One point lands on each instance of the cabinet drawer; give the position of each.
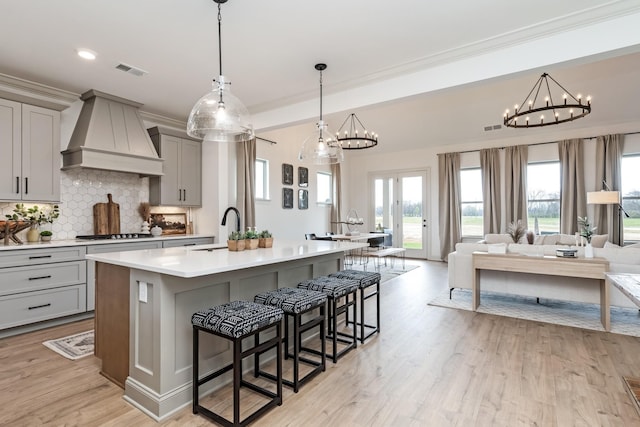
(122, 247)
(20, 257)
(24, 279)
(187, 242)
(21, 309)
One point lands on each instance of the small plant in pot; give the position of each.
(45, 235)
(265, 240)
(251, 239)
(236, 241)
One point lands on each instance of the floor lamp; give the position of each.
(608, 198)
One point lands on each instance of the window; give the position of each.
(262, 179)
(325, 189)
(471, 206)
(630, 175)
(543, 194)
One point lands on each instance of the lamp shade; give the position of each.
(220, 116)
(320, 147)
(603, 197)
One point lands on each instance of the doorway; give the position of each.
(399, 207)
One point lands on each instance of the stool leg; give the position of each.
(296, 351)
(323, 343)
(362, 291)
(237, 378)
(256, 357)
(279, 363)
(194, 405)
(334, 323)
(285, 339)
(378, 306)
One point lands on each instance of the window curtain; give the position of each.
(246, 162)
(337, 197)
(573, 197)
(449, 209)
(515, 177)
(608, 168)
(490, 169)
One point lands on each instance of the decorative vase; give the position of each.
(33, 235)
(144, 229)
(235, 245)
(588, 251)
(265, 242)
(156, 231)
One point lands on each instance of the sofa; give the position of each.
(621, 260)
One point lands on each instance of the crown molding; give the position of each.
(28, 92)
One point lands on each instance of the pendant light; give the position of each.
(220, 116)
(321, 148)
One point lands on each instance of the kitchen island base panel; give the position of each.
(160, 340)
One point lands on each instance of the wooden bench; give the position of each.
(388, 252)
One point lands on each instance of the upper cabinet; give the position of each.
(30, 147)
(181, 184)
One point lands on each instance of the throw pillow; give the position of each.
(598, 240)
(608, 245)
(491, 239)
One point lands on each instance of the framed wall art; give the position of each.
(303, 199)
(171, 223)
(287, 198)
(303, 177)
(287, 174)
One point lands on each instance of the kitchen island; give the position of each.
(145, 299)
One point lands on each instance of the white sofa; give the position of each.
(621, 260)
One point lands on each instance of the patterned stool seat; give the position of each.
(366, 278)
(331, 286)
(237, 318)
(292, 300)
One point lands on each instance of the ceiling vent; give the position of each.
(492, 127)
(131, 69)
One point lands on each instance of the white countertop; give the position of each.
(78, 242)
(194, 261)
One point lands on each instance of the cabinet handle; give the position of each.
(17, 185)
(179, 194)
(40, 306)
(41, 277)
(189, 244)
(39, 256)
(184, 195)
(26, 186)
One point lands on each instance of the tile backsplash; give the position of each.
(81, 189)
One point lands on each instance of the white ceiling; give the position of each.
(416, 72)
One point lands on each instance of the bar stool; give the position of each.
(365, 280)
(335, 289)
(235, 321)
(295, 302)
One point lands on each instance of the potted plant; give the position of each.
(35, 216)
(586, 231)
(236, 241)
(251, 239)
(45, 235)
(265, 240)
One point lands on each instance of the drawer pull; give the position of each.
(189, 244)
(40, 306)
(39, 256)
(41, 277)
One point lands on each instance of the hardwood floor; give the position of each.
(430, 366)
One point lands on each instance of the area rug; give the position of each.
(633, 388)
(387, 272)
(625, 321)
(73, 347)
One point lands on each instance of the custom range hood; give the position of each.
(110, 135)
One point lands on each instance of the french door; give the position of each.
(399, 206)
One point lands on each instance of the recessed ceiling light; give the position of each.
(87, 54)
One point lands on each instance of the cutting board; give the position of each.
(106, 217)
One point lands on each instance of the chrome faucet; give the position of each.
(224, 217)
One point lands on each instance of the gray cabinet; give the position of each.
(181, 184)
(41, 284)
(30, 146)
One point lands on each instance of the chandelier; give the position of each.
(355, 136)
(538, 108)
(320, 148)
(220, 116)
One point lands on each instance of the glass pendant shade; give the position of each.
(321, 148)
(220, 116)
